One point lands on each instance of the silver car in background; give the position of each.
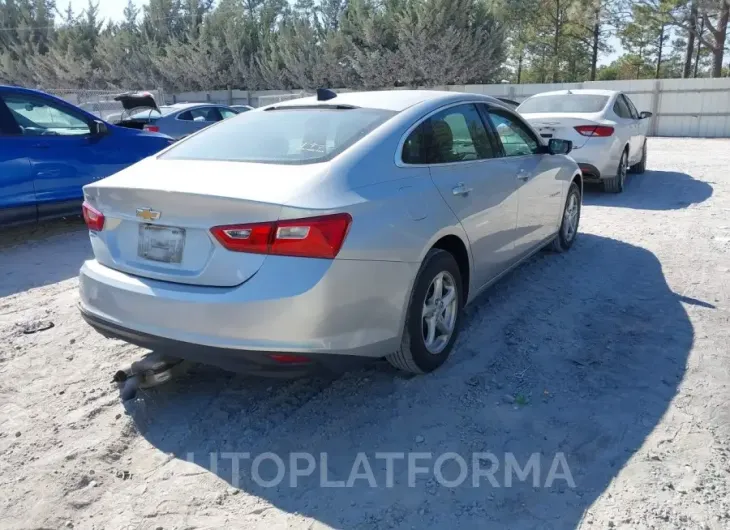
(608, 133)
(324, 229)
(180, 119)
(177, 120)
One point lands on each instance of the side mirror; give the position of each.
(98, 128)
(559, 147)
(645, 115)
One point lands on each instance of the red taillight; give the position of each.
(594, 130)
(94, 218)
(151, 128)
(285, 358)
(313, 237)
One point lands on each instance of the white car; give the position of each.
(608, 133)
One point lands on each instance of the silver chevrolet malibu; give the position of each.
(320, 230)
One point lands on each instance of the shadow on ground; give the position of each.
(652, 190)
(554, 359)
(41, 254)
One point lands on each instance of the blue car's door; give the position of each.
(64, 154)
(17, 196)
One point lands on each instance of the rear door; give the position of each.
(478, 187)
(640, 129)
(536, 174)
(17, 196)
(627, 127)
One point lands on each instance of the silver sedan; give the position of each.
(317, 231)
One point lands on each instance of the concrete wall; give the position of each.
(681, 107)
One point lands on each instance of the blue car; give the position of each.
(49, 149)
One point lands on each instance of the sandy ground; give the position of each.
(615, 355)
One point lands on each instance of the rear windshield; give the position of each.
(563, 103)
(281, 136)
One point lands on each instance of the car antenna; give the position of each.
(325, 94)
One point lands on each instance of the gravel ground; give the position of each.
(614, 355)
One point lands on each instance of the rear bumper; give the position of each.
(307, 306)
(598, 158)
(242, 361)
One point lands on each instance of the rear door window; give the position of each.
(456, 134)
(202, 114)
(621, 108)
(630, 105)
(226, 113)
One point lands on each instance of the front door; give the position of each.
(474, 183)
(537, 176)
(627, 128)
(62, 152)
(17, 196)
(639, 131)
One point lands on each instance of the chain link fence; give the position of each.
(100, 102)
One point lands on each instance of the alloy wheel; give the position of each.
(570, 218)
(439, 312)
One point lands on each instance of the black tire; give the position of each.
(640, 167)
(565, 238)
(616, 184)
(413, 356)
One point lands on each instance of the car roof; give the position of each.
(588, 91)
(394, 100)
(182, 106)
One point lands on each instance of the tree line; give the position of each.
(279, 44)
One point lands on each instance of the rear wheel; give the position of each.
(432, 318)
(616, 184)
(641, 166)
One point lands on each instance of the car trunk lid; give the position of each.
(158, 216)
(562, 125)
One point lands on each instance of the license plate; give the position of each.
(161, 243)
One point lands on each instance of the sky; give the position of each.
(114, 10)
(108, 9)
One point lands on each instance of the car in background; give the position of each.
(50, 149)
(509, 102)
(608, 133)
(241, 108)
(177, 120)
(324, 229)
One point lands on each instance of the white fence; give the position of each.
(681, 107)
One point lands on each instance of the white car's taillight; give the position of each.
(594, 130)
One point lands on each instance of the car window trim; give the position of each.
(62, 105)
(399, 150)
(502, 110)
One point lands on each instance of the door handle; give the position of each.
(41, 146)
(461, 189)
(524, 176)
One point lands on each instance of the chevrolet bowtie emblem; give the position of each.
(147, 214)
